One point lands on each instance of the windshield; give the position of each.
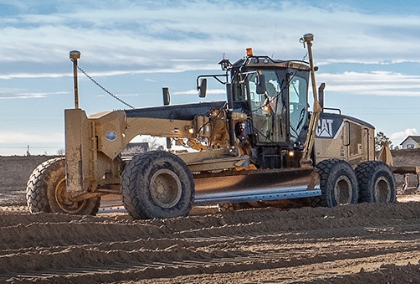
(268, 109)
(270, 112)
(298, 106)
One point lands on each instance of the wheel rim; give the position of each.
(382, 190)
(343, 190)
(63, 200)
(165, 188)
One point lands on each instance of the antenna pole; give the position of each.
(74, 55)
(313, 122)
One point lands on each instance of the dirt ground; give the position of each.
(364, 243)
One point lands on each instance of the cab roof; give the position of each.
(265, 61)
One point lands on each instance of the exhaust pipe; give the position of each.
(321, 95)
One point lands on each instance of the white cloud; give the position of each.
(109, 73)
(26, 138)
(372, 83)
(32, 75)
(195, 92)
(155, 35)
(403, 134)
(15, 93)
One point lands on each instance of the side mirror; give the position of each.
(203, 88)
(261, 84)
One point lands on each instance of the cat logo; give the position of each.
(328, 128)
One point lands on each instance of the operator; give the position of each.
(270, 102)
(269, 108)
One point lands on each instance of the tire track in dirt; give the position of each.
(338, 257)
(302, 245)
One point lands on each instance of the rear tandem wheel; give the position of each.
(338, 184)
(46, 191)
(376, 182)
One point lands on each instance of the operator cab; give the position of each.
(276, 94)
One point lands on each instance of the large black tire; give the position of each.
(338, 184)
(157, 184)
(46, 191)
(376, 182)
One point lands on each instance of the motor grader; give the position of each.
(261, 145)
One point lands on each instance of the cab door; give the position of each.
(268, 110)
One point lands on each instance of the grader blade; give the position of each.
(262, 185)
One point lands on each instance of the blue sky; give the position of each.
(367, 53)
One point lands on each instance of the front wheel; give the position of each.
(46, 191)
(338, 183)
(157, 184)
(376, 182)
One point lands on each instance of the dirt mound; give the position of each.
(364, 243)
